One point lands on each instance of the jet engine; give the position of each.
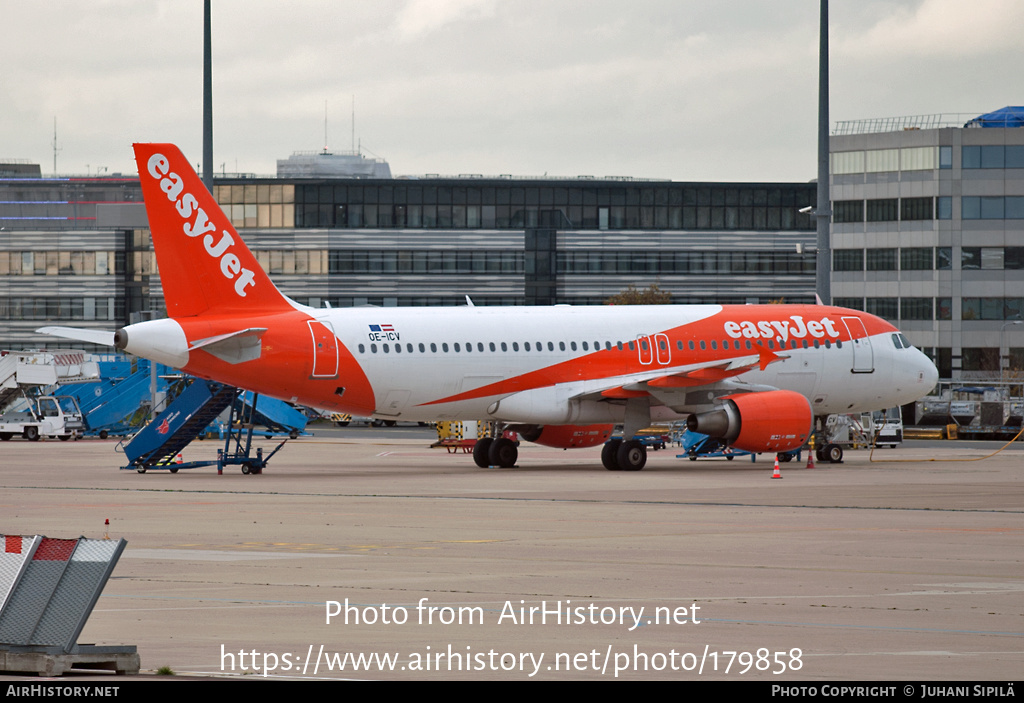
(769, 421)
(565, 436)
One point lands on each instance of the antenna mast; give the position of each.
(54, 145)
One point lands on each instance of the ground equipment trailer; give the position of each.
(45, 416)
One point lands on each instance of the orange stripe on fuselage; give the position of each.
(733, 324)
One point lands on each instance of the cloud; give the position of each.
(421, 17)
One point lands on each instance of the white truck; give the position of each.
(49, 416)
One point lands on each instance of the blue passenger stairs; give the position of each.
(119, 403)
(159, 443)
(277, 416)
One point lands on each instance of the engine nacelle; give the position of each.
(565, 436)
(770, 421)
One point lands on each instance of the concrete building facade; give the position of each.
(928, 232)
(76, 251)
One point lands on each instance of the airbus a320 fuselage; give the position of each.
(754, 376)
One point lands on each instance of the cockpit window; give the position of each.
(896, 341)
(906, 342)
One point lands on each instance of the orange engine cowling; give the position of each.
(566, 436)
(771, 421)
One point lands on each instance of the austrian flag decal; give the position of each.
(383, 333)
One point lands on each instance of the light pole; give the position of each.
(1002, 339)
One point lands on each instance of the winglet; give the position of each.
(204, 264)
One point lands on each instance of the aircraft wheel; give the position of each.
(481, 452)
(632, 455)
(784, 458)
(834, 453)
(32, 434)
(503, 453)
(819, 454)
(609, 452)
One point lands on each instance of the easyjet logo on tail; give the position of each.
(794, 327)
(197, 224)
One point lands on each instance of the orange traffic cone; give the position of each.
(810, 459)
(776, 473)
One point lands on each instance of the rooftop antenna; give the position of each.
(353, 122)
(54, 145)
(325, 126)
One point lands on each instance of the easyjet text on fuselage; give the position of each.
(794, 327)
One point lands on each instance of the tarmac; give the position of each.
(373, 556)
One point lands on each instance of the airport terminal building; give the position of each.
(928, 232)
(76, 251)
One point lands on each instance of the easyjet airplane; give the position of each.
(754, 376)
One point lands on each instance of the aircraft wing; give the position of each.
(687, 388)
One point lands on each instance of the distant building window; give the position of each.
(944, 258)
(848, 211)
(916, 309)
(916, 209)
(881, 260)
(848, 260)
(920, 158)
(982, 208)
(945, 157)
(944, 309)
(851, 303)
(916, 259)
(970, 258)
(944, 208)
(982, 309)
(878, 160)
(979, 359)
(1013, 258)
(884, 210)
(883, 307)
(844, 162)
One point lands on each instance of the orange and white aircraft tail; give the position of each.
(204, 265)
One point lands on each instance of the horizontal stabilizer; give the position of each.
(234, 347)
(103, 337)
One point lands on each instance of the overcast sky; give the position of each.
(678, 89)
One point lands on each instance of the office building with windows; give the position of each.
(76, 251)
(928, 232)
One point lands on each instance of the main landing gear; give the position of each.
(501, 452)
(619, 455)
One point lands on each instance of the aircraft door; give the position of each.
(325, 350)
(653, 348)
(863, 354)
(662, 348)
(643, 345)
